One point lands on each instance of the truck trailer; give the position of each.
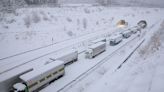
(98, 40)
(126, 34)
(67, 56)
(135, 29)
(39, 77)
(115, 39)
(95, 49)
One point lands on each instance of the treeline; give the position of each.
(31, 2)
(28, 2)
(104, 2)
(11, 5)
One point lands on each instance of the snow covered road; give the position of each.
(9, 64)
(73, 76)
(58, 27)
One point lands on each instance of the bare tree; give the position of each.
(29, 2)
(11, 5)
(104, 2)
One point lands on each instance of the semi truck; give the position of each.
(98, 40)
(39, 77)
(126, 33)
(95, 49)
(135, 29)
(115, 39)
(67, 56)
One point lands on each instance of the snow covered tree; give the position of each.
(29, 2)
(11, 5)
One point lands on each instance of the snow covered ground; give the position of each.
(30, 28)
(143, 72)
(32, 35)
(83, 65)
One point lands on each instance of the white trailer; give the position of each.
(39, 77)
(98, 40)
(126, 34)
(95, 49)
(115, 39)
(67, 56)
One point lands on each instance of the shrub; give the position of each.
(147, 12)
(97, 22)
(70, 33)
(84, 23)
(27, 21)
(78, 22)
(17, 37)
(45, 17)
(69, 20)
(86, 10)
(11, 21)
(152, 46)
(6, 27)
(102, 71)
(35, 17)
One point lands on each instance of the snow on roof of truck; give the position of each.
(126, 31)
(115, 36)
(134, 28)
(98, 40)
(96, 45)
(39, 71)
(63, 53)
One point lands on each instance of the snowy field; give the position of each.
(30, 36)
(30, 29)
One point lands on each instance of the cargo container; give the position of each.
(67, 56)
(126, 34)
(115, 39)
(98, 40)
(95, 49)
(135, 29)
